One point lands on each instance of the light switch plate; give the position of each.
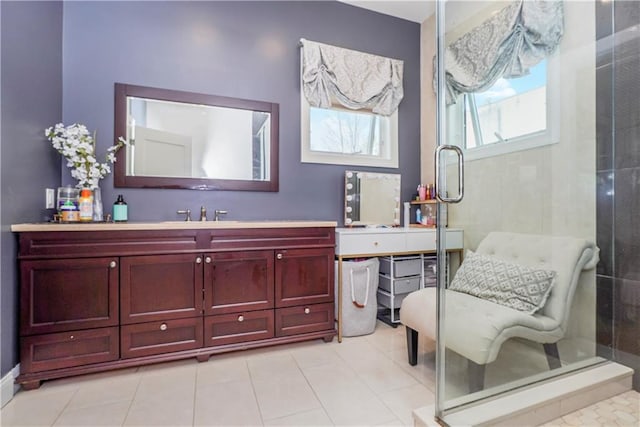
(50, 198)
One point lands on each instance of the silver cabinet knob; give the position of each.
(71, 337)
(307, 310)
(241, 318)
(112, 264)
(208, 260)
(279, 256)
(163, 327)
(199, 260)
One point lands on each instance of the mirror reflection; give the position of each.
(371, 198)
(196, 141)
(189, 140)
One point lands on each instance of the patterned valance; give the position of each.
(507, 45)
(355, 79)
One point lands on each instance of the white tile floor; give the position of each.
(363, 381)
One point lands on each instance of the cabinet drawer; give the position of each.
(389, 300)
(68, 294)
(67, 349)
(401, 266)
(399, 286)
(238, 327)
(302, 319)
(145, 339)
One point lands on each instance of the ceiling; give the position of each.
(411, 10)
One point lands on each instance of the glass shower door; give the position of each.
(516, 101)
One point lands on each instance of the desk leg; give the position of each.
(339, 299)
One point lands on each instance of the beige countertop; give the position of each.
(167, 225)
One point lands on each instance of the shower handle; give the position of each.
(443, 197)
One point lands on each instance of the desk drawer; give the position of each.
(363, 244)
(423, 240)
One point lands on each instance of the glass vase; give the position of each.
(97, 205)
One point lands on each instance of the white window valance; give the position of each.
(506, 45)
(355, 79)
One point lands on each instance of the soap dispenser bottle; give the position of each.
(120, 210)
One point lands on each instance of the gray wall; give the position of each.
(239, 49)
(31, 85)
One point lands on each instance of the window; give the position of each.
(349, 106)
(348, 137)
(514, 114)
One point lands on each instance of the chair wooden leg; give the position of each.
(553, 357)
(412, 346)
(476, 376)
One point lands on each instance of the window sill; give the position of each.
(500, 148)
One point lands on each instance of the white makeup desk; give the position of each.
(372, 242)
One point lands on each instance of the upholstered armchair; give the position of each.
(476, 327)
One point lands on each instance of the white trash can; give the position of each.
(359, 298)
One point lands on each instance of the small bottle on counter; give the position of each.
(69, 212)
(430, 219)
(407, 214)
(120, 213)
(85, 205)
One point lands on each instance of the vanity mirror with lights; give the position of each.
(195, 141)
(371, 198)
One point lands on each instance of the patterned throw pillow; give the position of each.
(512, 285)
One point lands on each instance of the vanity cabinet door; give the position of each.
(304, 276)
(160, 287)
(68, 294)
(238, 281)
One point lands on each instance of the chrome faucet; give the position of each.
(203, 213)
(186, 212)
(217, 214)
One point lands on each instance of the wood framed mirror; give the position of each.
(195, 141)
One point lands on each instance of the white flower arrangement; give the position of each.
(77, 145)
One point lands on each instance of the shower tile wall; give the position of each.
(618, 176)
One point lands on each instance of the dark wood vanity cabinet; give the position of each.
(131, 300)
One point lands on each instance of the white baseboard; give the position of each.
(8, 387)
